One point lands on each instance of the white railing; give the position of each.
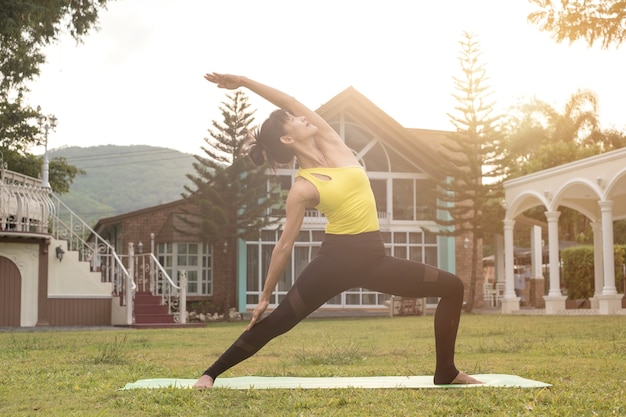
(28, 208)
(24, 204)
(314, 217)
(150, 276)
(124, 271)
(91, 247)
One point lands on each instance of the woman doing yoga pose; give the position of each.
(352, 254)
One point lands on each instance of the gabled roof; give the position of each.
(419, 145)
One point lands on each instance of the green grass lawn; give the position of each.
(80, 372)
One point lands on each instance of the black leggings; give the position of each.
(353, 261)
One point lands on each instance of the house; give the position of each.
(56, 271)
(145, 253)
(402, 165)
(42, 282)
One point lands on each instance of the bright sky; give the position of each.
(138, 80)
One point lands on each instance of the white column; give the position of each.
(183, 297)
(499, 258)
(608, 257)
(510, 302)
(555, 302)
(129, 285)
(536, 256)
(596, 226)
(609, 301)
(553, 248)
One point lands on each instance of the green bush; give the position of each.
(578, 270)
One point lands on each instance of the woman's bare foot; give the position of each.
(205, 382)
(463, 378)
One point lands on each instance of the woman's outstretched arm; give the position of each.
(276, 97)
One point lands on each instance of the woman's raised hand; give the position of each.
(227, 81)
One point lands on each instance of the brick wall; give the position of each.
(464, 269)
(138, 228)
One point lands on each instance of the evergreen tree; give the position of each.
(473, 192)
(231, 197)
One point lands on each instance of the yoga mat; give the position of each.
(377, 382)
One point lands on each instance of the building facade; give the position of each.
(52, 273)
(403, 166)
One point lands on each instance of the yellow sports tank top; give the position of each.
(346, 199)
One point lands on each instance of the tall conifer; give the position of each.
(472, 193)
(231, 197)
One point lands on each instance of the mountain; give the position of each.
(120, 179)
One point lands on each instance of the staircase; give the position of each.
(143, 309)
(92, 267)
(151, 314)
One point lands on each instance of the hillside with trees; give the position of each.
(119, 179)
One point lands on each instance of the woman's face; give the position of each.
(299, 128)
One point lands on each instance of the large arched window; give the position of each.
(405, 204)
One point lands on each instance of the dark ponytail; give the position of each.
(255, 151)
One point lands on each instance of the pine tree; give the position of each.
(230, 196)
(472, 194)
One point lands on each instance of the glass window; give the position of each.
(430, 256)
(318, 235)
(371, 151)
(300, 259)
(407, 245)
(376, 158)
(268, 235)
(418, 247)
(353, 299)
(403, 201)
(284, 184)
(416, 253)
(252, 278)
(369, 298)
(425, 194)
(399, 252)
(303, 236)
(399, 237)
(192, 282)
(399, 163)
(379, 187)
(356, 138)
(415, 237)
(430, 237)
(266, 255)
(194, 258)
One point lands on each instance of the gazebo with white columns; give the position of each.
(595, 187)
